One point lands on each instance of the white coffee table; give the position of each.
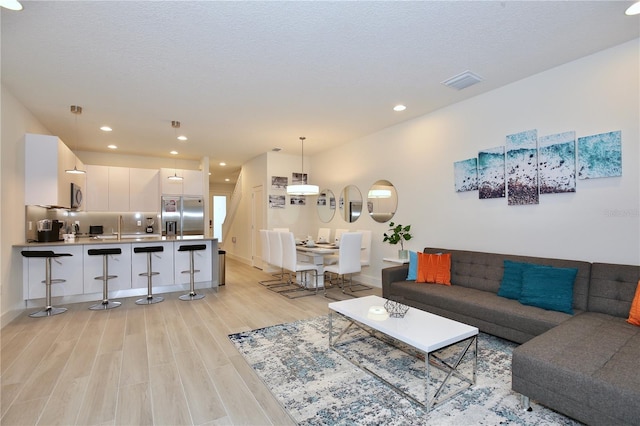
(426, 333)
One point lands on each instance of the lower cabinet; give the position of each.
(80, 269)
(119, 264)
(68, 268)
(161, 262)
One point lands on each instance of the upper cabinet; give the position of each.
(121, 189)
(191, 183)
(46, 182)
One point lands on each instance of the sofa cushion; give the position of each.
(548, 288)
(590, 359)
(612, 288)
(511, 284)
(413, 266)
(482, 305)
(434, 268)
(634, 313)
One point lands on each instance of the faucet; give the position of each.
(119, 232)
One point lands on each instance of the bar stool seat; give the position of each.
(47, 255)
(149, 250)
(192, 295)
(105, 277)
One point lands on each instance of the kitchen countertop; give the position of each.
(131, 238)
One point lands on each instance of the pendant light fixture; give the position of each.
(11, 4)
(304, 188)
(76, 110)
(175, 177)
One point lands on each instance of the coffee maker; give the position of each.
(48, 230)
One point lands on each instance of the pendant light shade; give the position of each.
(304, 188)
(76, 110)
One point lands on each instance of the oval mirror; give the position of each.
(326, 205)
(382, 201)
(350, 203)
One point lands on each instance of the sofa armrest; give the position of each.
(392, 274)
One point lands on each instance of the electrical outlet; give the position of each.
(139, 223)
(233, 240)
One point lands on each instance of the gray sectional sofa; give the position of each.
(585, 365)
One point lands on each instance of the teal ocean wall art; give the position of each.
(600, 155)
(491, 181)
(466, 175)
(522, 168)
(557, 163)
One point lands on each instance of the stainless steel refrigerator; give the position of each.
(182, 215)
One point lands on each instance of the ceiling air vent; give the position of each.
(463, 80)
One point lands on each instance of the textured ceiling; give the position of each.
(244, 77)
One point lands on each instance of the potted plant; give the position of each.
(398, 234)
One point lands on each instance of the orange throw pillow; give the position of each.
(634, 313)
(434, 268)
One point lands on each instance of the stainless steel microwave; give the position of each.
(76, 196)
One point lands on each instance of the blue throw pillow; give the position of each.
(413, 266)
(549, 288)
(511, 284)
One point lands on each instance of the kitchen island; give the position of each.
(80, 269)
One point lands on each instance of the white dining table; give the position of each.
(317, 253)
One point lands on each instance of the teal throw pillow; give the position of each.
(413, 266)
(549, 288)
(511, 284)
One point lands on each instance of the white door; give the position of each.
(257, 223)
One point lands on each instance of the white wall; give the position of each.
(16, 121)
(600, 222)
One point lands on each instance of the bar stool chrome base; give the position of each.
(48, 312)
(149, 300)
(104, 305)
(191, 296)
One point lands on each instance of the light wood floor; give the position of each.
(170, 363)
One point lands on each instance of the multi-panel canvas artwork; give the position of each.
(557, 163)
(491, 173)
(522, 168)
(600, 155)
(466, 175)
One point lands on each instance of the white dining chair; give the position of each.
(291, 264)
(324, 234)
(281, 229)
(275, 255)
(333, 259)
(338, 234)
(348, 259)
(266, 259)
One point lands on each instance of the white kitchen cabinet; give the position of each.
(202, 260)
(97, 192)
(191, 183)
(161, 262)
(119, 264)
(118, 189)
(67, 268)
(46, 182)
(144, 190)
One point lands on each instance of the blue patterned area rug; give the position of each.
(317, 386)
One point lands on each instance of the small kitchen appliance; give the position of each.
(48, 230)
(172, 225)
(150, 222)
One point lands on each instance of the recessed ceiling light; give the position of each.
(182, 138)
(399, 108)
(112, 147)
(106, 128)
(209, 173)
(174, 153)
(11, 4)
(223, 164)
(634, 9)
(226, 179)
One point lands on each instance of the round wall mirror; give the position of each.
(326, 205)
(350, 203)
(382, 201)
